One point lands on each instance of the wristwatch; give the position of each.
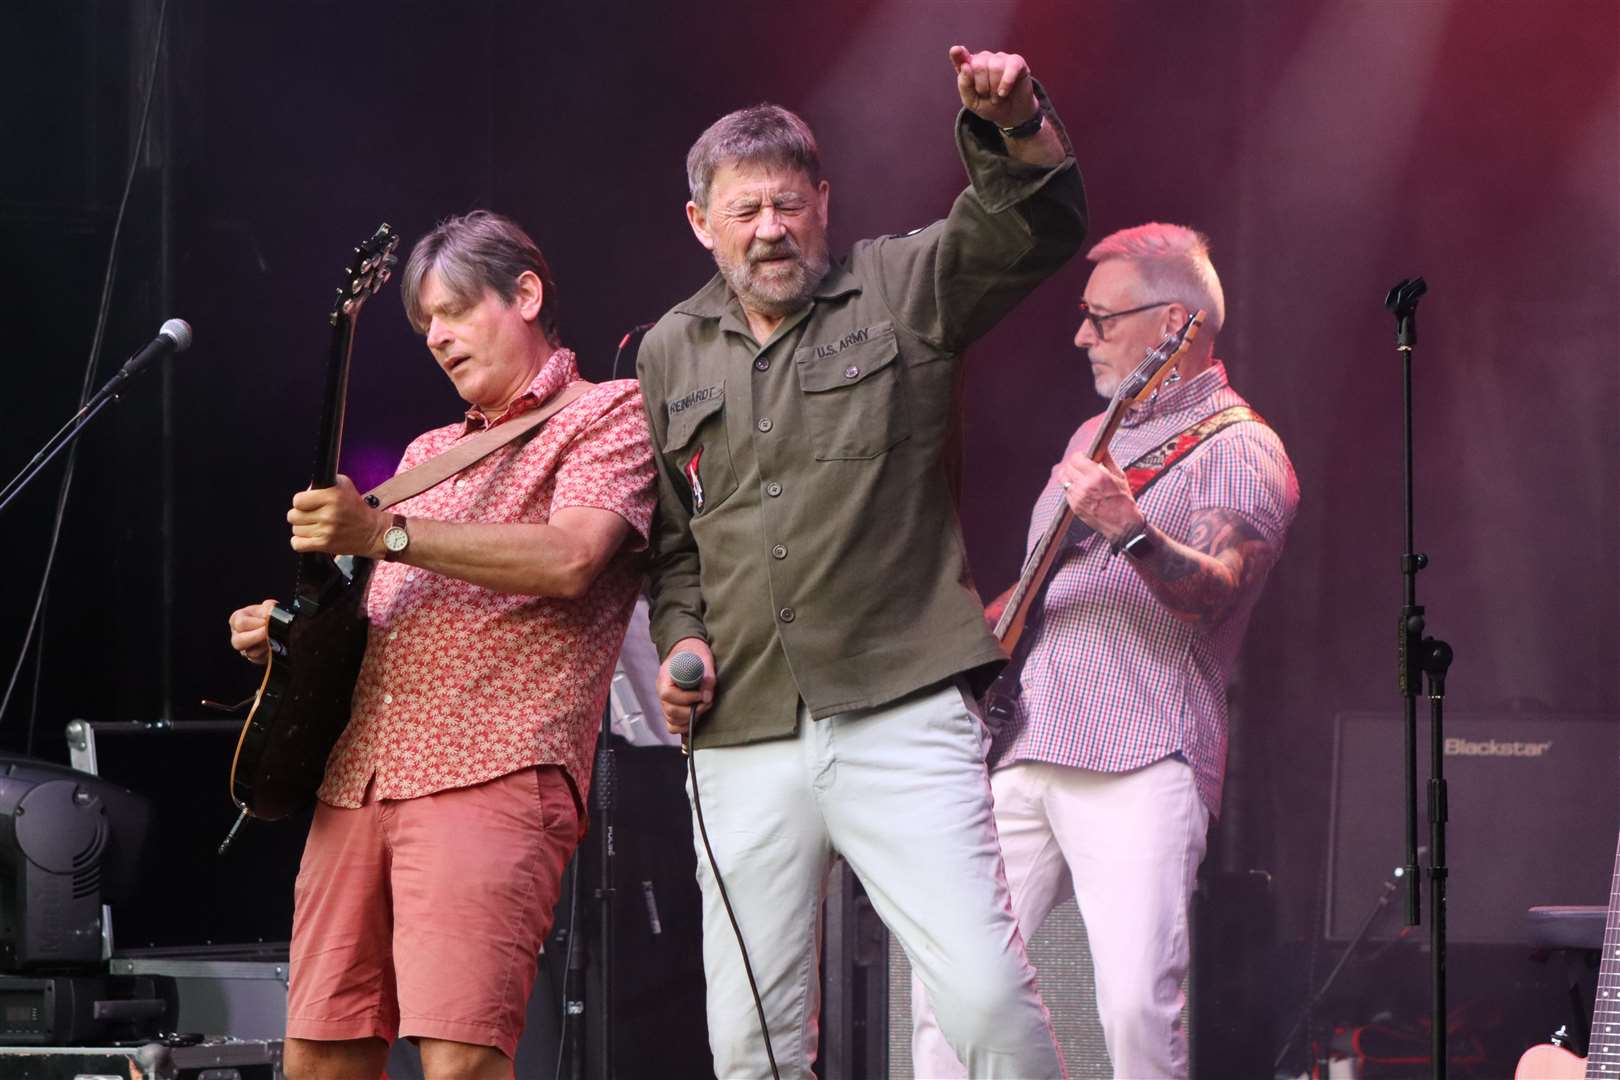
(395, 539)
(1141, 545)
(1026, 129)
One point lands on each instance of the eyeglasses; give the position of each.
(1097, 321)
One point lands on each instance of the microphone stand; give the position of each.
(1421, 658)
(605, 787)
(69, 432)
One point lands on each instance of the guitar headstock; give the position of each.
(1157, 365)
(369, 269)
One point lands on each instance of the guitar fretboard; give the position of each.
(1603, 1057)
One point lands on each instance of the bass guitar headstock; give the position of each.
(1157, 365)
(368, 270)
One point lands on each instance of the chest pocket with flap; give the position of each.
(853, 395)
(697, 430)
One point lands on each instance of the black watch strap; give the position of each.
(1028, 128)
(1140, 545)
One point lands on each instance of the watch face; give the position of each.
(396, 538)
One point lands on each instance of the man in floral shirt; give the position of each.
(454, 798)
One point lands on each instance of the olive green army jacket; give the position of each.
(806, 523)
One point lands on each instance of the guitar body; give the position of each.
(1549, 1062)
(303, 703)
(1000, 701)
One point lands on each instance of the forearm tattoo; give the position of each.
(1199, 579)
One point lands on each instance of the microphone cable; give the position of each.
(639, 328)
(690, 678)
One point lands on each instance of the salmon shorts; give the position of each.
(424, 917)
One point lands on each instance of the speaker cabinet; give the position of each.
(1534, 805)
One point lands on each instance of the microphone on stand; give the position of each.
(174, 336)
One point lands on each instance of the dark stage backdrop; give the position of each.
(1328, 150)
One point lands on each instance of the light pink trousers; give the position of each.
(1128, 846)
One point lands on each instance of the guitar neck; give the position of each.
(316, 573)
(1603, 1057)
(330, 446)
(1015, 616)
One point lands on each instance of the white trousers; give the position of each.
(902, 793)
(1128, 846)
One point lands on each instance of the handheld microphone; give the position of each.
(686, 670)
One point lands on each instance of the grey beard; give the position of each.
(778, 299)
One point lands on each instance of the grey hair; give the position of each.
(761, 134)
(471, 253)
(1174, 263)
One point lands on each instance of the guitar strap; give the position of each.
(1142, 472)
(472, 449)
(1145, 471)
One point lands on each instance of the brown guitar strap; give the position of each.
(472, 449)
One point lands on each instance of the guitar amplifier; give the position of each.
(1534, 807)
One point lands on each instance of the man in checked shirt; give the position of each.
(1107, 775)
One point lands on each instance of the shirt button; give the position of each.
(392, 634)
(762, 364)
(764, 423)
(779, 551)
(411, 576)
(851, 372)
(388, 699)
(773, 489)
(787, 614)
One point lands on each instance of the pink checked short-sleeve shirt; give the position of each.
(462, 684)
(1115, 681)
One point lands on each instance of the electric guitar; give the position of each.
(302, 704)
(1548, 1062)
(1023, 602)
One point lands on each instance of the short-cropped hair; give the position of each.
(759, 135)
(471, 253)
(1175, 265)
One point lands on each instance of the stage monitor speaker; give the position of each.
(1062, 962)
(1534, 806)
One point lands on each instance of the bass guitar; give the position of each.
(1024, 600)
(316, 645)
(1548, 1062)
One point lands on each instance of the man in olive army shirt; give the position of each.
(808, 552)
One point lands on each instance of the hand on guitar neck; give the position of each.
(1099, 495)
(337, 521)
